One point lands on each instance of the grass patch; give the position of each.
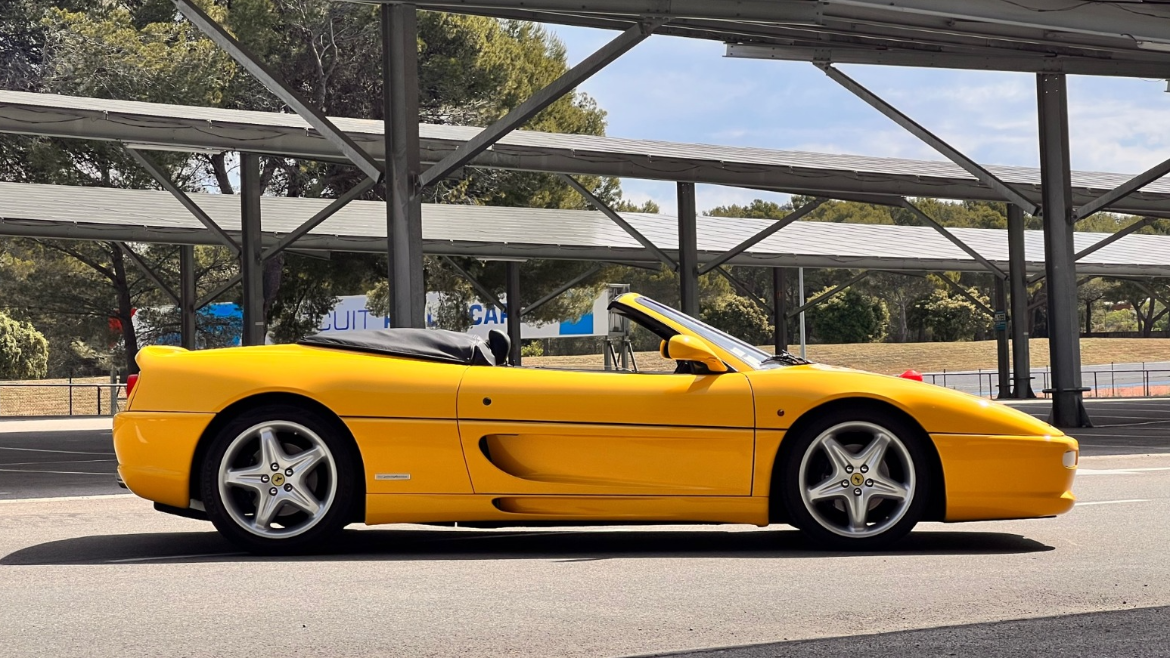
(896, 358)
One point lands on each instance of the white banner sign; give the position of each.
(351, 314)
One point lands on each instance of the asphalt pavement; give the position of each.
(87, 570)
(1121, 426)
(70, 457)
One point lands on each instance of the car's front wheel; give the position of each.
(858, 481)
(278, 480)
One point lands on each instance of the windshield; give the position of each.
(753, 356)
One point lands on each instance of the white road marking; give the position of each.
(65, 498)
(1119, 471)
(62, 461)
(65, 452)
(24, 470)
(172, 557)
(1114, 502)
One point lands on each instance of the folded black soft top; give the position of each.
(423, 344)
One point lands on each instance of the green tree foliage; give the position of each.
(740, 317)
(24, 352)
(1146, 298)
(945, 316)
(850, 317)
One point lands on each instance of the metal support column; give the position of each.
(1063, 326)
(251, 250)
(513, 309)
(1003, 357)
(800, 300)
(780, 308)
(403, 205)
(688, 250)
(187, 294)
(1018, 277)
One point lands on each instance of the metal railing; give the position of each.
(61, 399)
(1112, 383)
(106, 399)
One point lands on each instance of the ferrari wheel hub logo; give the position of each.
(857, 479)
(277, 479)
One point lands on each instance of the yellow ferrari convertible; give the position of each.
(281, 446)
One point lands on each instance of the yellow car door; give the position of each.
(533, 431)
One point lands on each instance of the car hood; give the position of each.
(939, 410)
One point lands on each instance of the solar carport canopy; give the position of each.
(174, 126)
(87, 213)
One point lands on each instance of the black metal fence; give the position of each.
(61, 399)
(1112, 383)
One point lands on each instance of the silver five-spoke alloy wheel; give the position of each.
(857, 479)
(277, 479)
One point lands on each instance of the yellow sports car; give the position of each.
(281, 446)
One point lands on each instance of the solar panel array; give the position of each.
(49, 211)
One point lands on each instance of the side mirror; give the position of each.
(689, 348)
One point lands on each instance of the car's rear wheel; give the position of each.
(279, 479)
(856, 481)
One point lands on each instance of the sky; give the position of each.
(685, 90)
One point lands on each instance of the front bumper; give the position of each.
(1007, 477)
(155, 452)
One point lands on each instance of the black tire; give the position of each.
(333, 517)
(787, 483)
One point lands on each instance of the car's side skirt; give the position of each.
(423, 508)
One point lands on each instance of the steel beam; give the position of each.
(929, 221)
(827, 296)
(744, 290)
(403, 204)
(188, 332)
(562, 290)
(688, 250)
(989, 179)
(270, 79)
(1121, 191)
(524, 112)
(740, 10)
(1136, 226)
(156, 172)
(214, 294)
(513, 309)
(1059, 262)
(968, 296)
(251, 251)
(1018, 279)
(1003, 358)
(1004, 60)
(148, 271)
(800, 300)
(780, 309)
(620, 221)
(488, 296)
(1091, 18)
(763, 235)
(316, 220)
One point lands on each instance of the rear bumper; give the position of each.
(1007, 477)
(155, 451)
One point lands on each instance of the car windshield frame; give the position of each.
(750, 355)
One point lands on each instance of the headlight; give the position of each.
(1070, 459)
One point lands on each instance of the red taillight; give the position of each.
(131, 380)
(912, 374)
